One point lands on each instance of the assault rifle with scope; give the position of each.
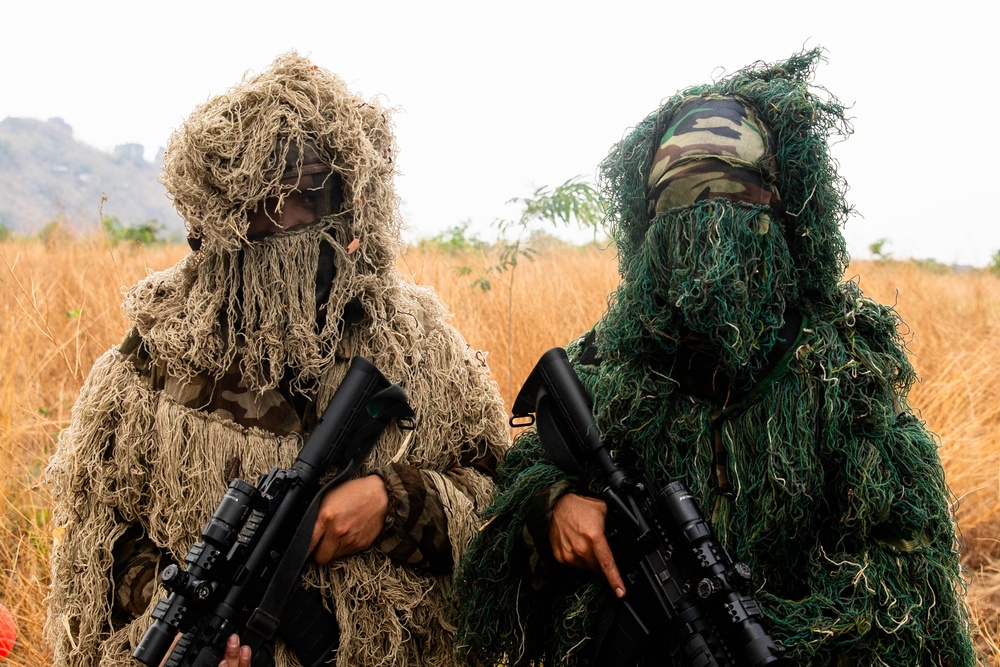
(683, 588)
(242, 573)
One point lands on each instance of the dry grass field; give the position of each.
(59, 309)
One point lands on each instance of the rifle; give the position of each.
(242, 572)
(681, 582)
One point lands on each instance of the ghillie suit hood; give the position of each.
(797, 442)
(718, 267)
(203, 390)
(255, 304)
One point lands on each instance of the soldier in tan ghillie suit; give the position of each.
(286, 184)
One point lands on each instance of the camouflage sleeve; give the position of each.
(535, 532)
(416, 530)
(136, 564)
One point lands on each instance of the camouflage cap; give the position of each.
(770, 148)
(713, 146)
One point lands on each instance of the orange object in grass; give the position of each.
(8, 632)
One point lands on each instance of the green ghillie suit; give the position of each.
(233, 354)
(734, 359)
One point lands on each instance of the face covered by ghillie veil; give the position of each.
(726, 213)
(267, 306)
(273, 307)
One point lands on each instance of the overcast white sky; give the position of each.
(497, 98)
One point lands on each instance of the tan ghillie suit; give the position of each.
(223, 345)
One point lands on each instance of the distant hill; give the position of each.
(46, 175)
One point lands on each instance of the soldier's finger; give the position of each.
(324, 551)
(606, 561)
(319, 529)
(232, 652)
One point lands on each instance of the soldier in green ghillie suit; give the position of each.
(286, 184)
(734, 359)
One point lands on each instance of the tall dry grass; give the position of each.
(60, 309)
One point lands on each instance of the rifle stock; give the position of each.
(681, 582)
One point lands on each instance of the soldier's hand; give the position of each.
(576, 533)
(350, 518)
(236, 655)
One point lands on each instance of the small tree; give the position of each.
(54, 232)
(455, 239)
(879, 250)
(145, 233)
(994, 265)
(574, 202)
